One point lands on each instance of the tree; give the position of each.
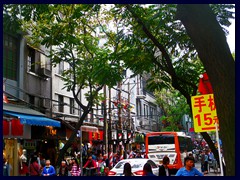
(70, 32)
(166, 50)
(213, 50)
(155, 29)
(174, 107)
(149, 39)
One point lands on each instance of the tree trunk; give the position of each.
(213, 50)
(71, 139)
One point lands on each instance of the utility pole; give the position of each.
(129, 111)
(105, 121)
(110, 121)
(120, 115)
(119, 107)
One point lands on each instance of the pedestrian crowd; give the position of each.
(95, 163)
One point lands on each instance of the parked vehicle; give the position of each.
(137, 167)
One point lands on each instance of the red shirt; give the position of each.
(90, 163)
(34, 169)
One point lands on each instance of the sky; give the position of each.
(231, 36)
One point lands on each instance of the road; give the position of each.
(210, 173)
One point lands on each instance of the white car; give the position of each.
(137, 167)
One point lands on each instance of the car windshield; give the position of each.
(134, 165)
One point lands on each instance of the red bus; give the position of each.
(175, 145)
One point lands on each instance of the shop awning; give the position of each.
(34, 120)
(28, 116)
(89, 128)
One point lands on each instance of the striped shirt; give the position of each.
(75, 171)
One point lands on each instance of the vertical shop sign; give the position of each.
(204, 113)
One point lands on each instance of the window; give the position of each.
(31, 99)
(102, 108)
(161, 139)
(31, 60)
(9, 57)
(145, 110)
(151, 112)
(61, 103)
(185, 143)
(61, 67)
(72, 109)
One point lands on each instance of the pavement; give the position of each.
(210, 172)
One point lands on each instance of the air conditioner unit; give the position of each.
(141, 96)
(45, 103)
(45, 72)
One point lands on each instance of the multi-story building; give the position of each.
(26, 84)
(32, 82)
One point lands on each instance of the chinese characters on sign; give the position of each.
(204, 113)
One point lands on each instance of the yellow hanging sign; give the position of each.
(204, 113)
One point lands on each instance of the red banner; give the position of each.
(16, 127)
(5, 127)
(95, 136)
(205, 86)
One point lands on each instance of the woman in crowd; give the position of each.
(34, 168)
(127, 170)
(63, 170)
(163, 169)
(147, 170)
(76, 170)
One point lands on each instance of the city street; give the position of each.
(95, 84)
(210, 173)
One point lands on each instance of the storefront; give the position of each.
(17, 131)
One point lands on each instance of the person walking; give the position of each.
(202, 160)
(63, 170)
(5, 167)
(163, 169)
(147, 170)
(188, 169)
(48, 169)
(34, 168)
(76, 170)
(206, 162)
(90, 166)
(127, 170)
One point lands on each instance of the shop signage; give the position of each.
(204, 113)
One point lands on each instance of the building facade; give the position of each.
(30, 81)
